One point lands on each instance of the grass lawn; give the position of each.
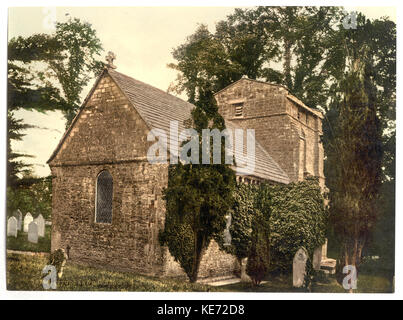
(24, 273)
(21, 243)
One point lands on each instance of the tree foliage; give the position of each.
(15, 129)
(49, 71)
(242, 213)
(34, 195)
(298, 219)
(258, 264)
(255, 42)
(355, 155)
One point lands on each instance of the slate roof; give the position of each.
(158, 108)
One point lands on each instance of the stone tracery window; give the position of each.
(104, 194)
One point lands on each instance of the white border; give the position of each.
(188, 296)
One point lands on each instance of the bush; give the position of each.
(298, 219)
(35, 197)
(241, 212)
(178, 236)
(259, 256)
(58, 259)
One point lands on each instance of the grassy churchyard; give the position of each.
(21, 243)
(24, 272)
(26, 260)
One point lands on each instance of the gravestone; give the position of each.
(33, 232)
(27, 220)
(12, 225)
(18, 216)
(299, 268)
(317, 258)
(40, 221)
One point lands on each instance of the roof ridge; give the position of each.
(149, 85)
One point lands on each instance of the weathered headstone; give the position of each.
(317, 258)
(18, 216)
(27, 220)
(299, 268)
(12, 225)
(40, 221)
(33, 232)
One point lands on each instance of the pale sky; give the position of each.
(142, 39)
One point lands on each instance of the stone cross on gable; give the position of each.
(109, 59)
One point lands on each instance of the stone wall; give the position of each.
(214, 263)
(288, 131)
(130, 242)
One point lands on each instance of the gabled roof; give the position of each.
(155, 106)
(158, 108)
(288, 95)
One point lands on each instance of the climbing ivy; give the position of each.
(298, 219)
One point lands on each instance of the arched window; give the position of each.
(103, 201)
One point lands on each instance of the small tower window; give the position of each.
(103, 202)
(238, 110)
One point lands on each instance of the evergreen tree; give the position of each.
(355, 155)
(198, 196)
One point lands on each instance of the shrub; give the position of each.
(58, 259)
(241, 212)
(259, 255)
(298, 219)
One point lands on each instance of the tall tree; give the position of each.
(355, 154)
(285, 45)
(198, 196)
(15, 165)
(368, 53)
(48, 72)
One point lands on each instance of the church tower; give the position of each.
(288, 130)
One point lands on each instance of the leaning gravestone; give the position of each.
(18, 216)
(40, 221)
(12, 225)
(33, 232)
(27, 220)
(299, 268)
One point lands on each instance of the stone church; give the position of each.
(107, 207)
